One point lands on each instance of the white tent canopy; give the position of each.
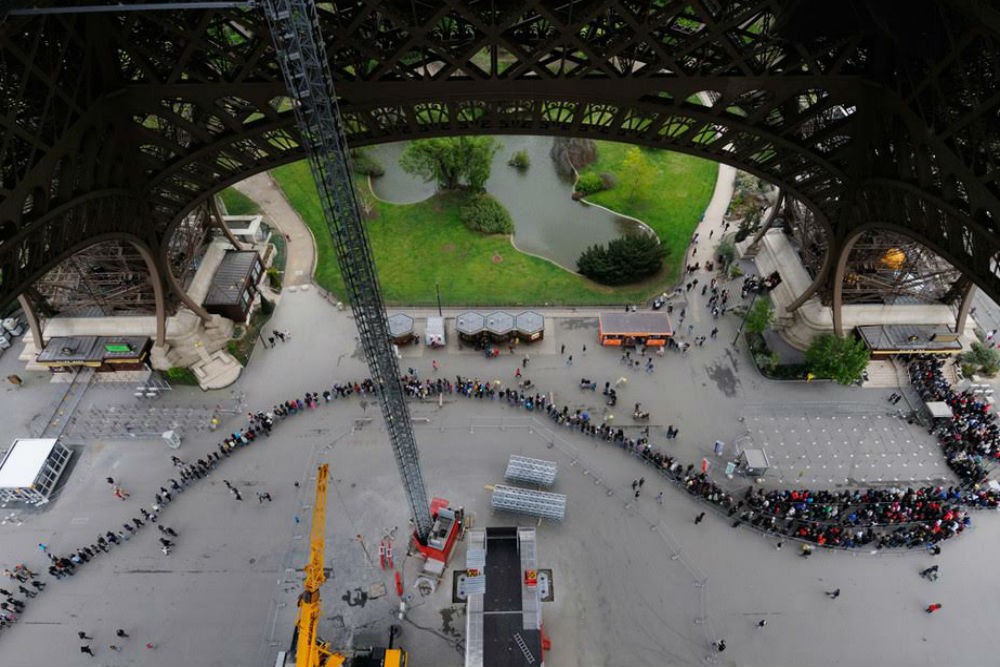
(31, 468)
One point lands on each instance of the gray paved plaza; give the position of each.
(636, 583)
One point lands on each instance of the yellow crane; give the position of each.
(310, 650)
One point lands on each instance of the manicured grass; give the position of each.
(673, 207)
(418, 245)
(238, 203)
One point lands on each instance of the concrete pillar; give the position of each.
(216, 213)
(33, 322)
(965, 305)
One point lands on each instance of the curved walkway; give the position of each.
(301, 248)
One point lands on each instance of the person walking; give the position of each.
(569, 360)
(524, 362)
(761, 623)
(83, 635)
(719, 447)
(930, 573)
(720, 645)
(834, 594)
(114, 648)
(434, 365)
(635, 484)
(86, 649)
(699, 518)
(517, 373)
(121, 633)
(659, 497)
(642, 480)
(931, 608)
(562, 349)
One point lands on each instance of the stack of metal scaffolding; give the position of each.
(531, 471)
(542, 504)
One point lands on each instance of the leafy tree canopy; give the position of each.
(627, 259)
(451, 161)
(839, 359)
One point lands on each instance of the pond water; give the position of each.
(547, 221)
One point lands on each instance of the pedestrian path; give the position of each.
(300, 262)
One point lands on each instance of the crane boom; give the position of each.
(309, 652)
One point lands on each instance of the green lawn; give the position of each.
(418, 245)
(238, 203)
(673, 207)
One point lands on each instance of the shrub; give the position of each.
(609, 180)
(520, 160)
(484, 213)
(735, 271)
(627, 259)
(761, 315)
(274, 276)
(589, 183)
(178, 375)
(985, 360)
(766, 361)
(839, 359)
(365, 164)
(266, 306)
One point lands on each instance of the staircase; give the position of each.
(882, 375)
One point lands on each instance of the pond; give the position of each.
(547, 222)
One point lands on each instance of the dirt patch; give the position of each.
(497, 258)
(448, 247)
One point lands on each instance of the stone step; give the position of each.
(881, 375)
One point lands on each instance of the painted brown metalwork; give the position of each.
(123, 123)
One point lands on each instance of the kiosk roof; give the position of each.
(645, 323)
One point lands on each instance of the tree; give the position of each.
(477, 158)
(627, 259)
(839, 359)
(451, 161)
(726, 251)
(761, 315)
(983, 359)
(637, 173)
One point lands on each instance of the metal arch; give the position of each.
(843, 251)
(928, 127)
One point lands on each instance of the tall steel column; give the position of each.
(295, 31)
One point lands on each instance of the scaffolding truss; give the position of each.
(305, 66)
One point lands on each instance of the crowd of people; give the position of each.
(970, 438)
(885, 518)
(66, 564)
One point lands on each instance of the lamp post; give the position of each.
(745, 316)
(437, 288)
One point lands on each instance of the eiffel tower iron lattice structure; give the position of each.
(115, 124)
